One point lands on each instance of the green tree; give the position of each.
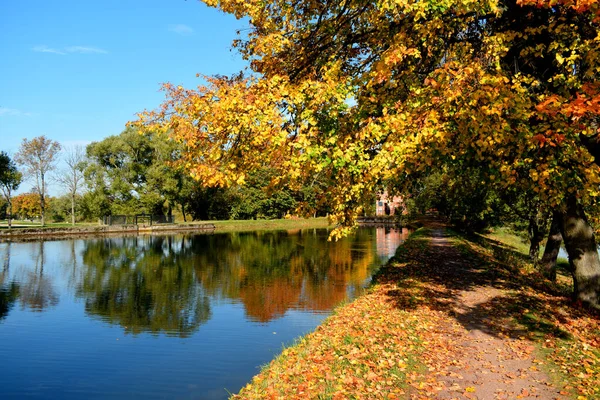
(134, 173)
(59, 208)
(39, 156)
(10, 179)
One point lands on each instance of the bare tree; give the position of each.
(38, 156)
(10, 179)
(72, 178)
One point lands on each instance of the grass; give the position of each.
(221, 226)
(267, 224)
(26, 224)
(510, 238)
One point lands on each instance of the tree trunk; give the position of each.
(73, 210)
(548, 263)
(43, 201)
(183, 212)
(535, 238)
(583, 254)
(9, 212)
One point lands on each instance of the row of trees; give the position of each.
(501, 96)
(133, 173)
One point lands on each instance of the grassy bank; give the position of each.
(221, 226)
(268, 224)
(403, 338)
(25, 224)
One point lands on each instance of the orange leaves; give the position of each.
(580, 6)
(550, 138)
(356, 353)
(585, 103)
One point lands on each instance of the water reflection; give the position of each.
(38, 292)
(9, 290)
(143, 284)
(200, 312)
(165, 283)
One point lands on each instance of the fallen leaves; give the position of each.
(414, 335)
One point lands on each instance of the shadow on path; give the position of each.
(481, 289)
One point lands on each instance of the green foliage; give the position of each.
(257, 200)
(59, 208)
(3, 209)
(10, 177)
(466, 201)
(133, 173)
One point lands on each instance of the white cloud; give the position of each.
(4, 111)
(69, 50)
(46, 49)
(181, 29)
(85, 50)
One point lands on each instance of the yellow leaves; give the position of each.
(533, 174)
(359, 93)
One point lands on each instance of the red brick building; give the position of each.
(388, 206)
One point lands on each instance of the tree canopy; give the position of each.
(385, 92)
(364, 92)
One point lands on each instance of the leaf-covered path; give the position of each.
(480, 356)
(447, 318)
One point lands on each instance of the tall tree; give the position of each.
(39, 156)
(72, 178)
(10, 179)
(136, 172)
(370, 92)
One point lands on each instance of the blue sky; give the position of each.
(78, 70)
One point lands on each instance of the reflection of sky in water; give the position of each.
(64, 336)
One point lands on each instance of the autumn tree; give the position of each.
(27, 205)
(71, 178)
(369, 93)
(10, 179)
(39, 157)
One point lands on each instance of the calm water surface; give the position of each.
(181, 316)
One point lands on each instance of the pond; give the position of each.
(173, 316)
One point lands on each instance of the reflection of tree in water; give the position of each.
(37, 291)
(9, 291)
(143, 284)
(160, 284)
(271, 272)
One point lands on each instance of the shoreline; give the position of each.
(35, 233)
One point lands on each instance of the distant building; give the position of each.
(388, 206)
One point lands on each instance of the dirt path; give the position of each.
(489, 358)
